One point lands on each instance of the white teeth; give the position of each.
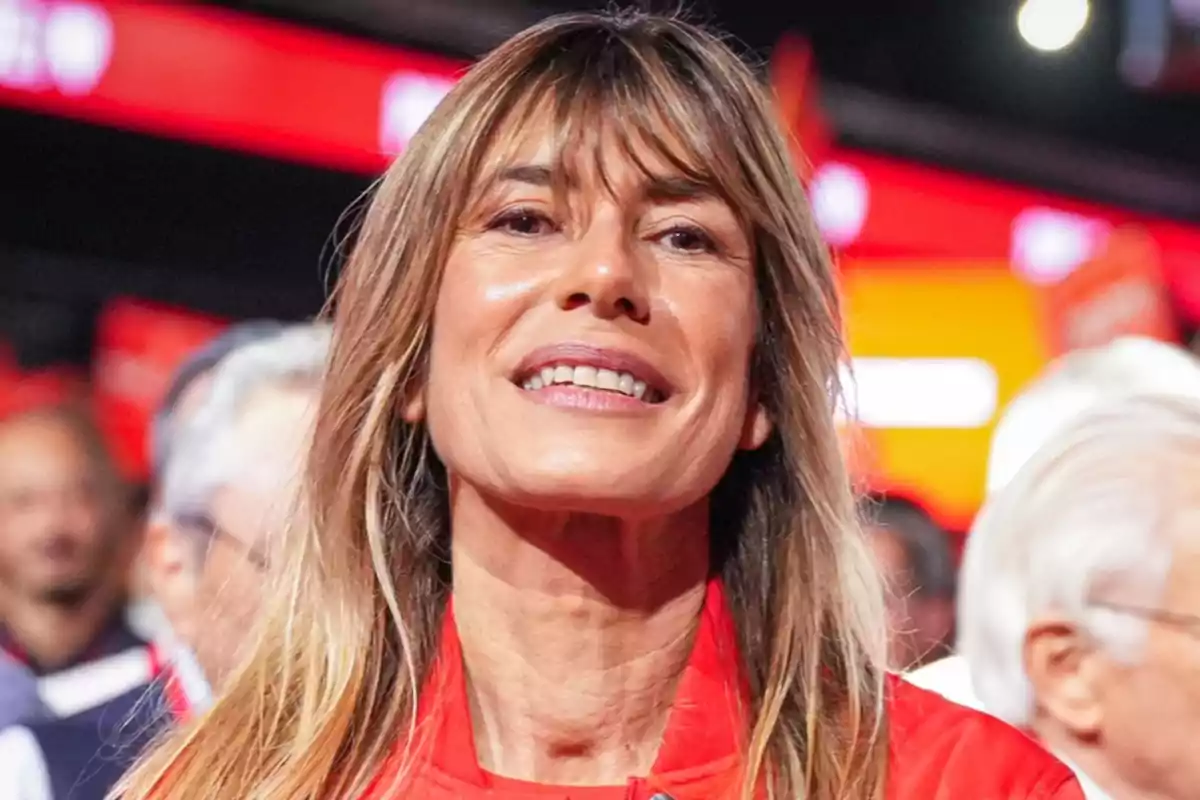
(591, 378)
(585, 376)
(608, 380)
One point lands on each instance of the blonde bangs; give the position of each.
(615, 100)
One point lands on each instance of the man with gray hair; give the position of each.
(1068, 387)
(186, 392)
(228, 491)
(1082, 485)
(1081, 602)
(229, 474)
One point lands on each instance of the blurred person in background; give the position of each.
(66, 542)
(229, 488)
(189, 385)
(19, 699)
(1068, 387)
(579, 523)
(918, 567)
(229, 442)
(1080, 608)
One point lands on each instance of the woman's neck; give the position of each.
(574, 633)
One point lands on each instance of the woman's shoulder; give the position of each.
(942, 749)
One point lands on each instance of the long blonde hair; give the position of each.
(332, 683)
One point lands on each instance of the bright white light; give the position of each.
(1051, 25)
(18, 45)
(10, 34)
(1048, 245)
(408, 100)
(920, 392)
(78, 42)
(840, 198)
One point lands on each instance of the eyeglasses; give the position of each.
(1189, 623)
(206, 526)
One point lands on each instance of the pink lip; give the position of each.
(564, 395)
(578, 354)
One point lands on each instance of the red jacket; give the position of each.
(939, 751)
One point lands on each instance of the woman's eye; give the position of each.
(689, 240)
(523, 222)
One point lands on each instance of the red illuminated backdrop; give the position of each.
(139, 346)
(876, 207)
(228, 80)
(221, 78)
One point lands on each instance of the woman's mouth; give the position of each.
(591, 378)
(585, 376)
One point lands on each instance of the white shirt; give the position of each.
(1090, 790)
(23, 774)
(951, 678)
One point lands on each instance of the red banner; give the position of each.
(139, 346)
(1117, 292)
(219, 78)
(21, 392)
(873, 207)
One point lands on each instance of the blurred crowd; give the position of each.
(114, 620)
(1068, 610)
(1074, 616)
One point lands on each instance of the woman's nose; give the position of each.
(607, 278)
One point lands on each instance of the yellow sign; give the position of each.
(938, 349)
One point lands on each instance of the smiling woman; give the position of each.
(580, 527)
(593, 250)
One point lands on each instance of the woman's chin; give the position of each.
(619, 496)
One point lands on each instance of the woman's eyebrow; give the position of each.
(533, 174)
(655, 188)
(662, 188)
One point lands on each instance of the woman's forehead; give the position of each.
(589, 158)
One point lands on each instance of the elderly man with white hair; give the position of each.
(1082, 616)
(1074, 615)
(237, 447)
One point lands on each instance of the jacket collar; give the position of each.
(184, 687)
(701, 751)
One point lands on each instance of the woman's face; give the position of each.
(591, 351)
